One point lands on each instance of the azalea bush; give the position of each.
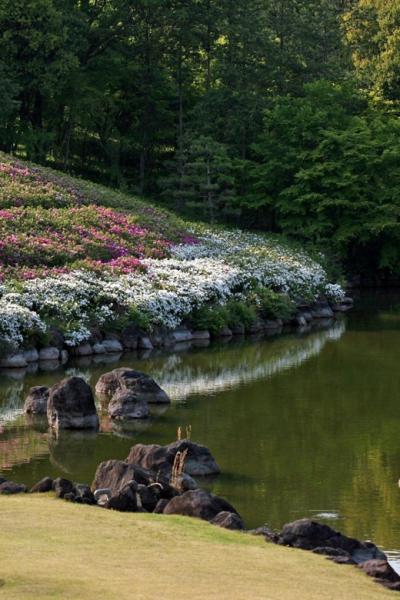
(38, 241)
(78, 257)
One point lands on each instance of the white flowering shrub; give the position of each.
(334, 293)
(222, 266)
(17, 323)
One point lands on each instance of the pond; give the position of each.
(302, 425)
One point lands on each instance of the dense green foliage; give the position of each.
(275, 114)
(326, 169)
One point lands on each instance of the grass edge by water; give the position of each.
(54, 549)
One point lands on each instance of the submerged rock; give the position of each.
(141, 385)
(71, 405)
(199, 460)
(36, 401)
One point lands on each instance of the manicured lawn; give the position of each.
(53, 549)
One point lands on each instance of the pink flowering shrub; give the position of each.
(23, 184)
(39, 242)
(51, 223)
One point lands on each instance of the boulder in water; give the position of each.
(199, 460)
(125, 404)
(141, 385)
(71, 405)
(36, 401)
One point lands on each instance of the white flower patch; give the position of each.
(223, 265)
(260, 258)
(334, 293)
(16, 322)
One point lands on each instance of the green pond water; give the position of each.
(301, 424)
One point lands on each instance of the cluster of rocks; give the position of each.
(322, 539)
(132, 339)
(63, 488)
(70, 404)
(130, 486)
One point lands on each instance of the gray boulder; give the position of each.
(228, 520)
(14, 361)
(83, 350)
(322, 311)
(382, 572)
(199, 460)
(9, 487)
(148, 496)
(115, 474)
(83, 494)
(42, 486)
(140, 384)
(181, 335)
(49, 353)
(31, 355)
(36, 401)
(125, 404)
(161, 504)
(198, 503)
(125, 500)
(309, 535)
(145, 343)
(71, 405)
(62, 487)
(112, 345)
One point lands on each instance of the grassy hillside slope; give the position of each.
(53, 549)
(78, 257)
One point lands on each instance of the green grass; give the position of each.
(53, 549)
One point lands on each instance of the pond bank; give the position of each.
(132, 339)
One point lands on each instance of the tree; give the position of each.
(327, 169)
(202, 179)
(373, 33)
(9, 108)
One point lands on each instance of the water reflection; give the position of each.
(182, 374)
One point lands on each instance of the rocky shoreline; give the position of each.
(131, 339)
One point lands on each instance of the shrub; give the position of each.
(212, 318)
(241, 313)
(273, 305)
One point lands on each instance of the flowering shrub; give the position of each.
(266, 261)
(38, 241)
(68, 261)
(22, 186)
(17, 323)
(26, 185)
